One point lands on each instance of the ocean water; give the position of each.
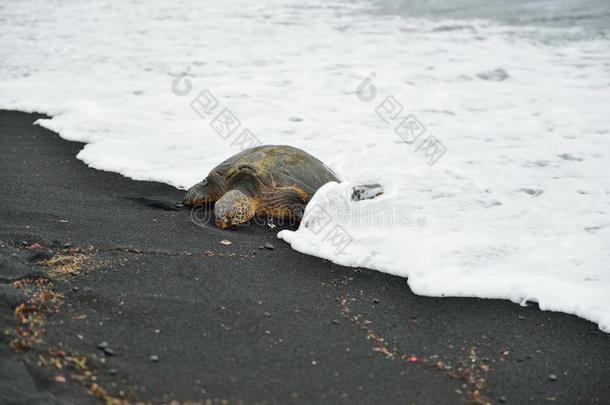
(487, 122)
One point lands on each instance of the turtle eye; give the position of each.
(204, 182)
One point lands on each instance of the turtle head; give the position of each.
(235, 207)
(205, 192)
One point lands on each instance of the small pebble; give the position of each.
(154, 358)
(375, 301)
(108, 351)
(87, 289)
(60, 378)
(75, 288)
(335, 321)
(268, 246)
(261, 247)
(552, 377)
(502, 400)
(102, 345)
(112, 371)
(67, 245)
(521, 317)
(267, 314)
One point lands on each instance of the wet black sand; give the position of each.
(238, 324)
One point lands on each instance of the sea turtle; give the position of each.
(273, 181)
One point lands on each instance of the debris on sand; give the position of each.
(68, 262)
(472, 372)
(31, 314)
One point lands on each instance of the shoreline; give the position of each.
(237, 322)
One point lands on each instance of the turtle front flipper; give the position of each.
(236, 206)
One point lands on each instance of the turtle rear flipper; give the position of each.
(366, 191)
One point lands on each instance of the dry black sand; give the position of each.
(102, 258)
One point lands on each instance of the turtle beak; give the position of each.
(195, 196)
(188, 199)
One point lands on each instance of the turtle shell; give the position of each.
(277, 167)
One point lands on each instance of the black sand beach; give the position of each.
(89, 258)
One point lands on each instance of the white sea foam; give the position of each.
(516, 208)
